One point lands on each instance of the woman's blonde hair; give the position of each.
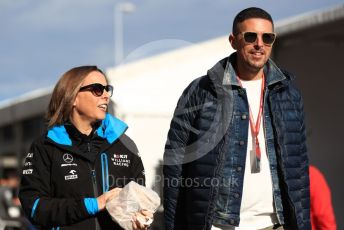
(64, 94)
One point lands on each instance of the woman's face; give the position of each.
(88, 107)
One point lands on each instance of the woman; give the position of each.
(82, 161)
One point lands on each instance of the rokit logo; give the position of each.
(68, 159)
(120, 160)
(72, 175)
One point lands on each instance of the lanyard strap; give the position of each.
(255, 127)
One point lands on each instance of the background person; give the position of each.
(11, 216)
(82, 160)
(322, 215)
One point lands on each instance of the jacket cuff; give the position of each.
(91, 205)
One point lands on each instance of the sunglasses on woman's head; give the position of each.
(251, 37)
(97, 89)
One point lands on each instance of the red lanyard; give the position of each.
(255, 127)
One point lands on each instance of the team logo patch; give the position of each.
(68, 159)
(72, 175)
(120, 160)
(27, 171)
(28, 163)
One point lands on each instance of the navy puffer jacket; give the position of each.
(199, 139)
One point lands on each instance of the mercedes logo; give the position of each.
(68, 158)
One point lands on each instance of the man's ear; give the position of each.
(232, 41)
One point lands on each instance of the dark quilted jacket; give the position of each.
(198, 137)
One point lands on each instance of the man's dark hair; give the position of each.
(252, 12)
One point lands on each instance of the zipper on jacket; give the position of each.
(88, 147)
(267, 155)
(94, 180)
(279, 159)
(95, 189)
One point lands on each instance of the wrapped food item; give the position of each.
(130, 200)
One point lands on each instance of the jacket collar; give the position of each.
(223, 73)
(110, 129)
(76, 135)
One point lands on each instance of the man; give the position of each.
(236, 157)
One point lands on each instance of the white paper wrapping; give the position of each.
(131, 199)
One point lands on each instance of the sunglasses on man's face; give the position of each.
(251, 37)
(98, 89)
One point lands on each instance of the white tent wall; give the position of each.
(146, 93)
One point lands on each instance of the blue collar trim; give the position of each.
(110, 129)
(59, 135)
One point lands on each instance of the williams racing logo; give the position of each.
(120, 160)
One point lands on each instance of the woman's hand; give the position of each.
(142, 220)
(102, 199)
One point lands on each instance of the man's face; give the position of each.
(252, 55)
